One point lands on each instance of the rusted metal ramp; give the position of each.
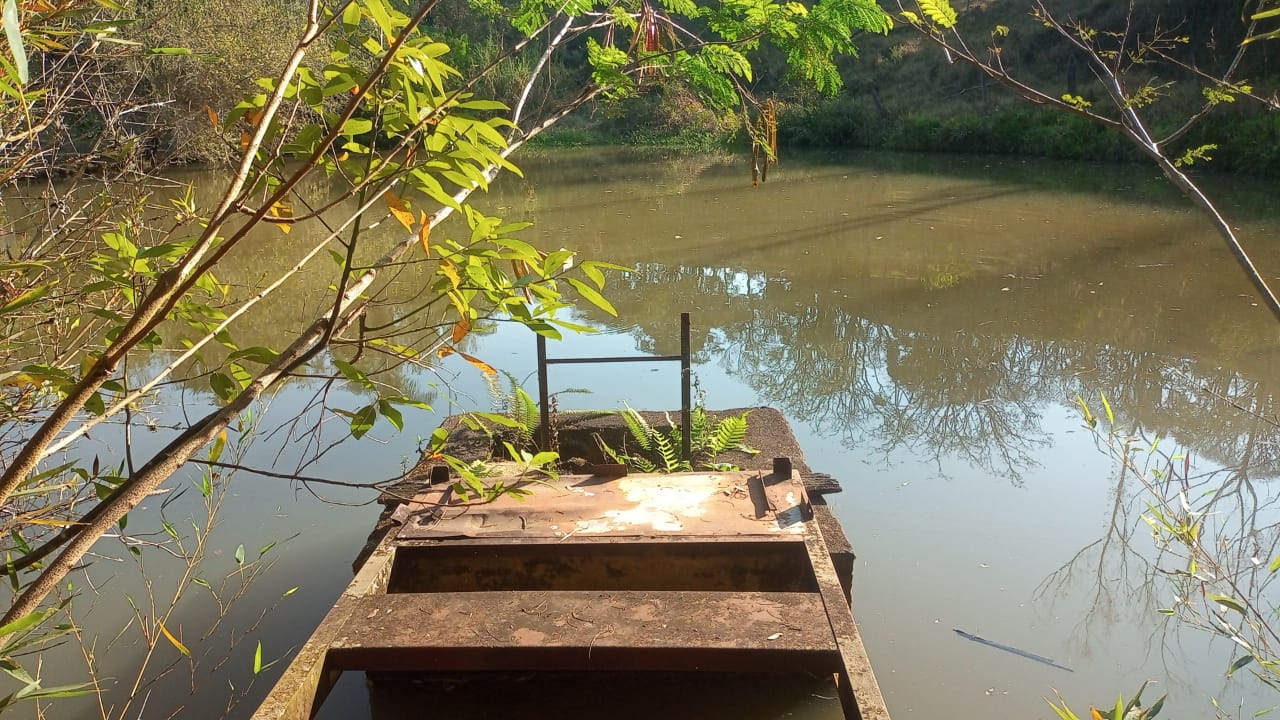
(706, 572)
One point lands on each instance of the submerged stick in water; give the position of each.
(1011, 649)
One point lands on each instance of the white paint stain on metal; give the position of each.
(658, 504)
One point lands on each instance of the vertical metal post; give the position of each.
(686, 392)
(544, 398)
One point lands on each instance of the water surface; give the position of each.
(926, 324)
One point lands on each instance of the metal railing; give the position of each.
(686, 393)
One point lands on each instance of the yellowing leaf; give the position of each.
(450, 271)
(424, 234)
(244, 141)
(1095, 715)
(181, 648)
(460, 329)
(213, 116)
(281, 209)
(398, 209)
(485, 367)
(50, 523)
(446, 351)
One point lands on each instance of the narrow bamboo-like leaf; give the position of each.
(1239, 663)
(424, 233)
(181, 648)
(26, 298)
(13, 32)
(1111, 418)
(219, 443)
(257, 659)
(1227, 602)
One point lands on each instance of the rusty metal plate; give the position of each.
(779, 632)
(678, 504)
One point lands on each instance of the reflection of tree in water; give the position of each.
(900, 387)
(1126, 579)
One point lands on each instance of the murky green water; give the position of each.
(926, 324)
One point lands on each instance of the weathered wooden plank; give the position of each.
(309, 677)
(859, 692)
(559, 631)
(714, 566)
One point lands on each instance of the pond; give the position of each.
(927, 324)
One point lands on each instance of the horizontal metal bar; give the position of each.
(571, 361)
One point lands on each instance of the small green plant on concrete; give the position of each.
(659, 448)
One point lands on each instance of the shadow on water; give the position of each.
(926, 325)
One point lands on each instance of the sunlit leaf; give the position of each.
(460, 329)
(219, 443)
(398, 209)
(592, 296)
(257, 659)
(450, 271)
(13, 33)
(362, 421)
(424, 233)
(1227, 602)
(181, 648)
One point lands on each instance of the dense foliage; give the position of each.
(351, 125)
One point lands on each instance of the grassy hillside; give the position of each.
(904, 94)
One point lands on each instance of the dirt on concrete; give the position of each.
(578, 436)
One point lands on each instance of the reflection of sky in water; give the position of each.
(880, 365)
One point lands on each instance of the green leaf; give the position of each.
(257, 659)
(592, 296)
(259, 354)
(1239, 663)
(219, 443)
(940, 12)
(13, 32)
(223, 386)
(351, 16)
(352, 373)
(362, 421)
(1227, 602)
(389, 411)
(25, 622)
(26, 298)
(240, 555)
